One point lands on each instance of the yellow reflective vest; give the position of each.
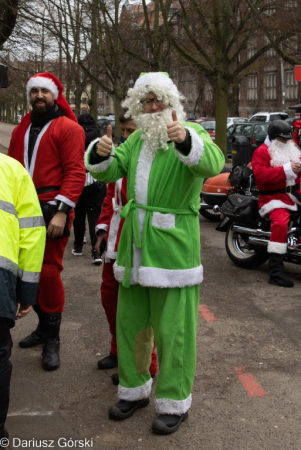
(22, 238)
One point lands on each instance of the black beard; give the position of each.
(41, 109)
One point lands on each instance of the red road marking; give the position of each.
(249, 382)
(207, 314)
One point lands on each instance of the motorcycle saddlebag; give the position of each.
(242, 209)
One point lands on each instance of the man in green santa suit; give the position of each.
(158, 263)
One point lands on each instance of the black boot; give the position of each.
(276, 271)
(109, 362)
(51, 348)
(168, 423)
(37, 337)
(125, 409)
(5, 377)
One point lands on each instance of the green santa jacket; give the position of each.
(160, 241)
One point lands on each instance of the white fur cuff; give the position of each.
(277, 247)
(176, 407)
(290, 175)
(100, 167)
(197, 149)
(135, 394)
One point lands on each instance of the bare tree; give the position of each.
(8, 17)
(214, 36)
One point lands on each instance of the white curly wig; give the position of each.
(160, 84)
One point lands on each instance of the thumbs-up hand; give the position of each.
(175, 130)
(105, 143)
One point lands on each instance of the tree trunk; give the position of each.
(93, 100)
(221, 89)
(234, 101)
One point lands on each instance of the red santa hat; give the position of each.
(49, 81)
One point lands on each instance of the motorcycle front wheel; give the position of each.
(244, 255)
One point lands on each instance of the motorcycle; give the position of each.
(247, 233)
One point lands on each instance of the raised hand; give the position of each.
(105, 143)
(175, 130)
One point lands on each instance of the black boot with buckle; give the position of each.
(51, 348)
(37, 337)
(276, 271)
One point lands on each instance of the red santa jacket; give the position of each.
(271, 178)
(109, 218)
(57, 158)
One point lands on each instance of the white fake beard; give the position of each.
(154, 130)
(283, 153)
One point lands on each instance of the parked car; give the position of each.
(268, 117)
(103, 122)
(208, 125)
(233, 120)
(253, 132)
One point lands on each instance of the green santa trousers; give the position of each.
(168, 315)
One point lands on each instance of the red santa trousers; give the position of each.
(280, 218)
(51, 293)
(109, 297)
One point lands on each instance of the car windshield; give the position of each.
(209, 125)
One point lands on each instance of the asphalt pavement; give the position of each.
(247, 389)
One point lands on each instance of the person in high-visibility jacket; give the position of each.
(22, 243)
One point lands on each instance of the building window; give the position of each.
(291, 3)
(271, 51)
(251, 48)
(208, 93)
(84, 101)
(99, 94)
(269, 4)
(252, 87)
(270, 86)
(291, 86)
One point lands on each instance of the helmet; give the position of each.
(279, 128)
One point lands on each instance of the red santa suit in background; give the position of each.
(110, 222)
(57, 170)
(296, 126)
(278, 186)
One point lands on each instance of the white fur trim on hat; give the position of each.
(42, 82)
(154, 78)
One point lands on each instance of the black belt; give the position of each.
(286, 190)
(45, 189)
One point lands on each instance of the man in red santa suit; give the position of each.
(108, 228)
(276, 167)
(50, 144)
